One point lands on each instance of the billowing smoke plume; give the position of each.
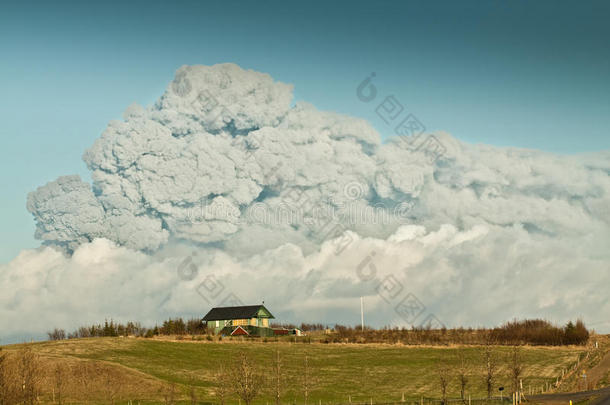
(219, 140)
(292, 198)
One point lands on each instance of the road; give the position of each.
(602, 397)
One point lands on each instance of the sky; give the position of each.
(502, 73)
(518, 73)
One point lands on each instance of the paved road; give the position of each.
(603, 401)
(595, 374)
(603, 397)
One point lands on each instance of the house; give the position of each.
(284, 331)
(249, 320)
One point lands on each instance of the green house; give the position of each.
(249, 320)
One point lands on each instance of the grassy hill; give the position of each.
(103, 369)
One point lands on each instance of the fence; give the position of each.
(430, 401)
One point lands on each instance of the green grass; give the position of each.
(362, 372)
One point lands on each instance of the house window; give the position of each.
(253, 322)
(265, 322)
(217, 324)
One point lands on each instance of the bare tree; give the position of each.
(516, 368)
(113, 384)
(491, 366)
(169, 395)
(192, 395)
(83, 375)
(57, 334)
(223, 383)
(308, 379)
(247, 379)
(444, 377)
(59, 382)
(29, 374)
(278, 377)
(462, 372)
(5, 392)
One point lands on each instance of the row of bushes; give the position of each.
(540, 332)
(534, 332)
(172, 326)
(305, 327)
(177, 326)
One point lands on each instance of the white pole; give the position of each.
(362, 312)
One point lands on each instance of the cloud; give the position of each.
(225, 165)
(480, 276)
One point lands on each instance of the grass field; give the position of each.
(145, 368)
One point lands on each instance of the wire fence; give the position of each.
(427, 401)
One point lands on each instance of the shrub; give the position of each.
(57, 334)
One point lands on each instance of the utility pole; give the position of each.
(362, 313)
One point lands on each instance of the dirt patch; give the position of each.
(74, 380)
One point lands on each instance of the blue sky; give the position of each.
(518, 73)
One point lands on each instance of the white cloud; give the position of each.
(221, 159)
(472, 277)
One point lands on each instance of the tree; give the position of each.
(462, 372)
(491, 366)
(59, 377)
(223, 384)
(278, 377)
(192, 395)
(575, 333)
(57, 334)
(114, 384)
(444, 376)
(246, 378)
(5, 392)
(169, 394)
(516, 368)
(84, 375)
(308, 379)
(29, 374)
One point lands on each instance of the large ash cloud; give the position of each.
(222, 141)
(220, 137)
(481, 235)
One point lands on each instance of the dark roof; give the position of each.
(225, 313)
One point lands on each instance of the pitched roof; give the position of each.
(225, 313)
